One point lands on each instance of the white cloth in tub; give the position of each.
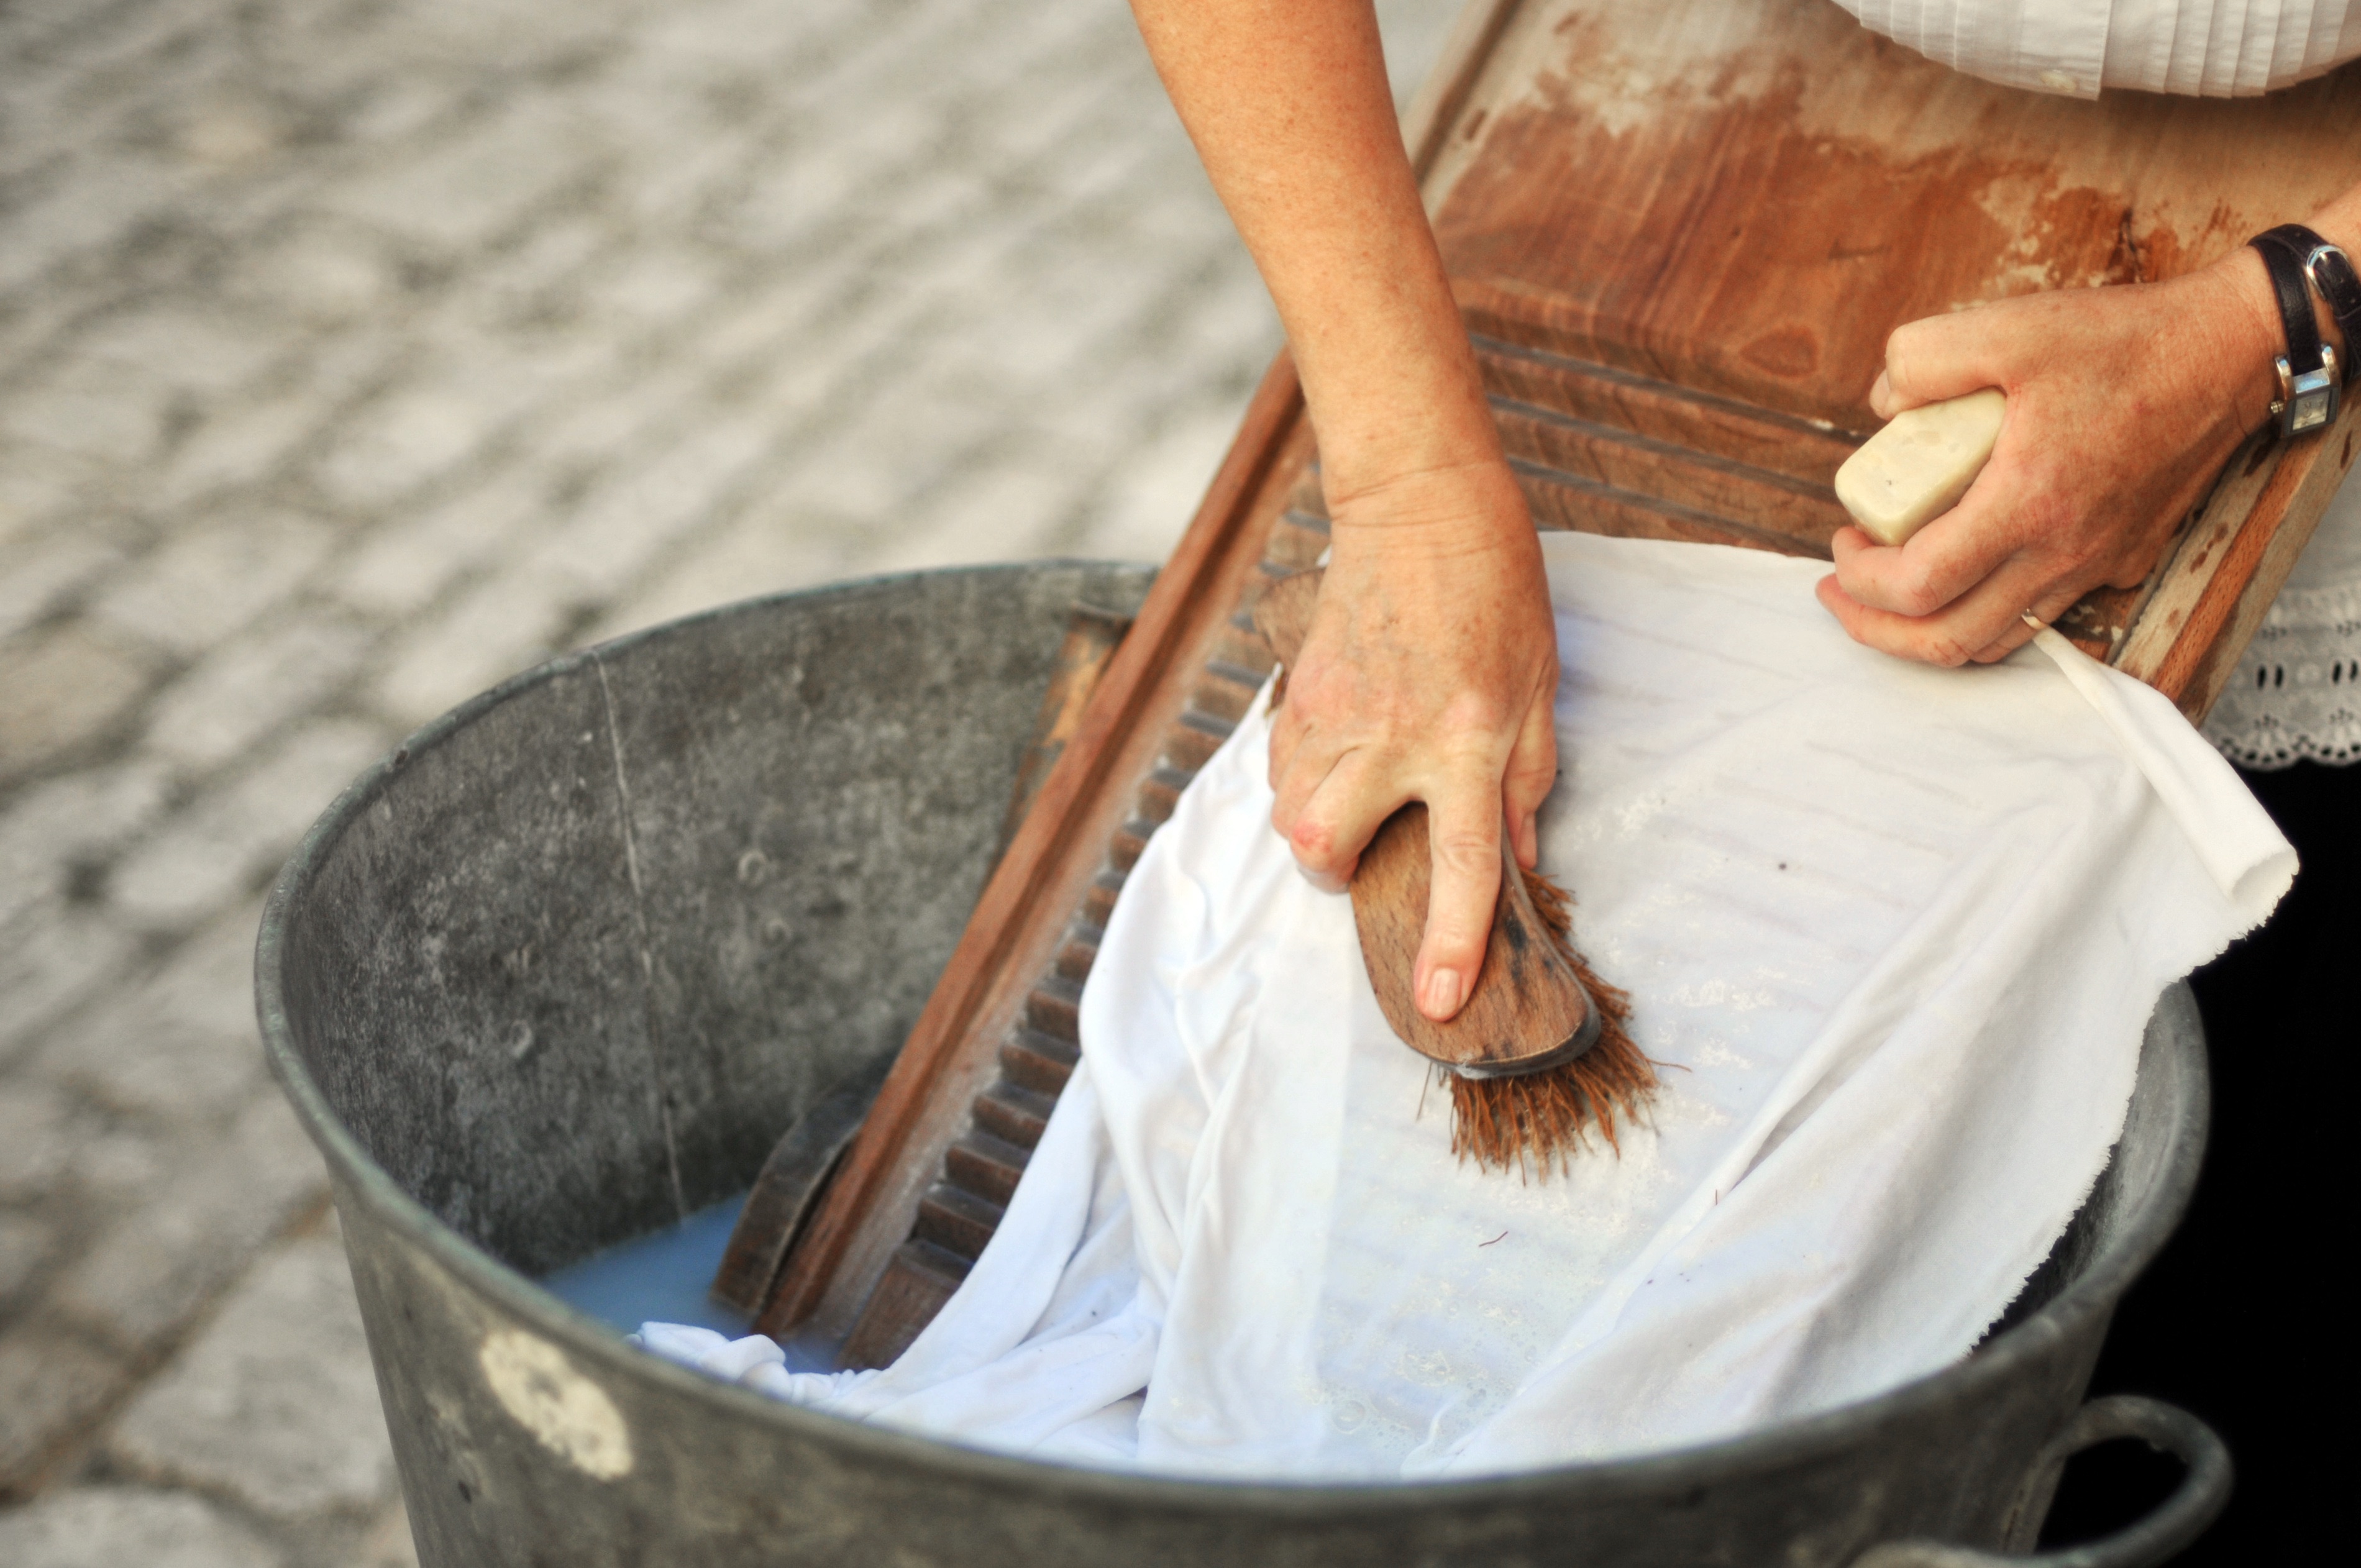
(1893, 930)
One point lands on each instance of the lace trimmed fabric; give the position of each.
(2297, 693)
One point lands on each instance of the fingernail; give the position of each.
(1321, 880)
(1441, 993)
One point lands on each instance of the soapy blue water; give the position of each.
(659, 1277)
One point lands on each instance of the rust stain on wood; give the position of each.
(1741, 201)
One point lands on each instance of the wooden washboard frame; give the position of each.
(1680, 234)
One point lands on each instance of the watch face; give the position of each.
(2313, 402)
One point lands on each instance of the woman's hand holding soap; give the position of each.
(2119, 405)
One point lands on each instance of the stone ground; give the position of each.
(356, 354)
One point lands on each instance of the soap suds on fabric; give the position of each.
(1893, 933)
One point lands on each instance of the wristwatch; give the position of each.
(2299, 262)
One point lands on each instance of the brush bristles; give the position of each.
(1536, 1121)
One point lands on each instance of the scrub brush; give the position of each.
(1539, 1056)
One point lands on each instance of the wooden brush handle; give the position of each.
(1527, 1011)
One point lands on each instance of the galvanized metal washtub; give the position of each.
(571, 958)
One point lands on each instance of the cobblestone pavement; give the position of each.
(354, 355)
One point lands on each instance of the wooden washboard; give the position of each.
(1680, 234)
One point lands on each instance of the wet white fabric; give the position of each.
(1893, 931)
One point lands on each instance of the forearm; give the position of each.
(1288, 104)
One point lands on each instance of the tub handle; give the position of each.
(2205, 1487)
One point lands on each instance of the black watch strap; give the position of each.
(2307, 395)
(2295, 300)
(2332, 273)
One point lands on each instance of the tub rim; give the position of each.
(2142, 1229)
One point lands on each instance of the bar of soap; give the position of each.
(1918, 466)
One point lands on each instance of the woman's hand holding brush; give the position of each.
(1428, 674)
(1540, 1055)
